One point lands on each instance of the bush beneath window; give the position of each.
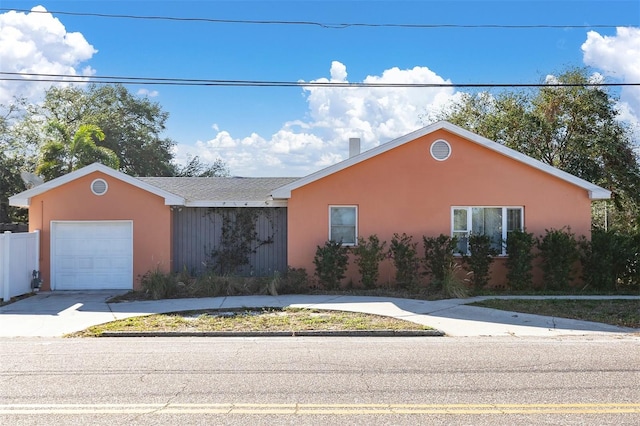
(439, 258)
(331, 264)
(479, 261)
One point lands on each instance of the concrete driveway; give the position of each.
(54, 314)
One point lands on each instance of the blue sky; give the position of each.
(262, 131)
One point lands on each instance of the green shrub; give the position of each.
(368, 255)
(293, 281)
(331, 264)
(609, 259)
(404, 255)
(439, 257)
(452, 286)
(520, 259)
(159, 285)
(479, 261)
(559, 252)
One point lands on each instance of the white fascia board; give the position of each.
(253, 203)
(595, 192)
(23, 199)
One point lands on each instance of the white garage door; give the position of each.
(91, 255)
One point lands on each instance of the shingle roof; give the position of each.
(220, 191)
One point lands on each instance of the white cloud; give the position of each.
(38, 43)
(335, 114)
(618, 57)
(148, 93)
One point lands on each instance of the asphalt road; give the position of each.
(368, 381)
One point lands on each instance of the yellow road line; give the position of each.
(314, 409)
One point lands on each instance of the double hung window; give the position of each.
(343, 224)
(496, 222)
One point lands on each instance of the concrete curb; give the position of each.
(301, 333)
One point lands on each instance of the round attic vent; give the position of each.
(440, 150)
(99, 187)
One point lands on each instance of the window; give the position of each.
(343, 224)
(496, 222)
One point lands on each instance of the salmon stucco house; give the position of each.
(102, 229)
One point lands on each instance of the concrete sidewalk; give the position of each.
(53, 314)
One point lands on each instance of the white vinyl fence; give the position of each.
(19, 258)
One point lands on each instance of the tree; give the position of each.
(73, 127)
(196, 168)
(131, 125)
(573, 128)
(65, 153)
(13, 160)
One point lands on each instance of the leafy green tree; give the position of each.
(196, 168)
(132, 126)
(66, 152)
(574, 128)
(13, 160)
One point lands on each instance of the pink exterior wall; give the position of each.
(406, 190)
(74, 201)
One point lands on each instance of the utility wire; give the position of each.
(63, 78)
(328, 25)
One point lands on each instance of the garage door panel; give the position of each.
(92, 255)
(84, 263)
(119, 262)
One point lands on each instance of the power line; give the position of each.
(327, 25)
(64, 78)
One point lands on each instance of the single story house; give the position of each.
(102, 229)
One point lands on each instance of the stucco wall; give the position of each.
(74, 201)
(406, 190)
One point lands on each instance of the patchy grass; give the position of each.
(262, 319)
(624, 313)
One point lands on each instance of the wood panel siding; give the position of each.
(197, 232)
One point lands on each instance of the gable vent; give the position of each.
(99, 187)
(440, 150)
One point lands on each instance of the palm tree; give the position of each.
(65, 153)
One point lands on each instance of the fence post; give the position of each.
(7, 263)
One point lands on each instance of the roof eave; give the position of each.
(599, 194)
(17, 201)
(23, 199)
(236, 203)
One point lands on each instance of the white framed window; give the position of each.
(343, 224)
(496, 222)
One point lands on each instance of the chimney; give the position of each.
(354, 147)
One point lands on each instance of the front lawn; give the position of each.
(625, 313)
